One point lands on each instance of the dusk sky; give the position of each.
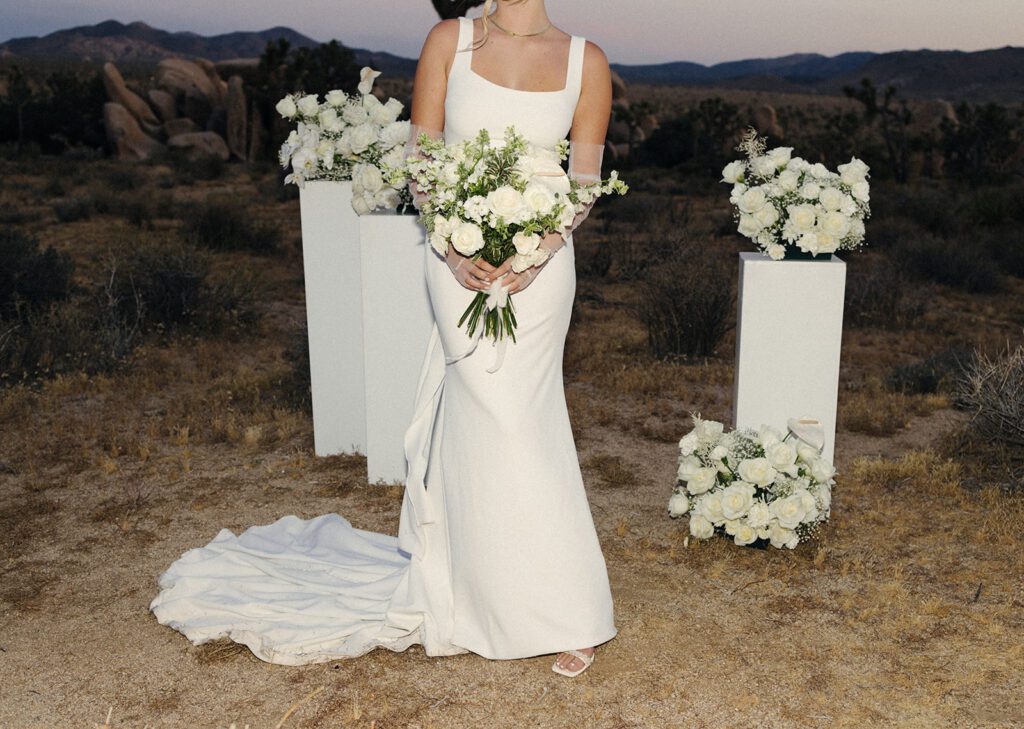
(642, 31)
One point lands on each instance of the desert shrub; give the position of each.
(936, 373)
(878, 295)
(992, 390)
(75, 208)
(123, 178)
(30, 277)
(593, 258)
(687, 308)
(204, 167)
(960, 263)
(225, 225)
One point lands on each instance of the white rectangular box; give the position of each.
(397, 322)
(334, 312)
(788, 336)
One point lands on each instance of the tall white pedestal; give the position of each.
(334, 312)
(397, 322)
(788, 336)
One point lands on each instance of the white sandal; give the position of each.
(586, 658)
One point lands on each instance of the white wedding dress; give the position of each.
(496, 550)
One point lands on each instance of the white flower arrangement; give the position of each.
(759, 487)
(781, 200)
(357, 138)
(496, 199)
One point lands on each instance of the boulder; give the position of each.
(236, 117)
(200, 144)
(164, 104)
(256, 133)
(618, 87)
(126, 137)
(176, 127)
(220, 89)
(928, 116)
(618, 131)
(191, 88)
(648, 123)
(119, 93)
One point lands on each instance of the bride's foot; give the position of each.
(573, 663)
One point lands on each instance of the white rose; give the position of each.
(733, 172)
(810, 504)
(802, 218)
(759, 516)
(824, 495)
(360, 204)
(831, 198)
(718, 452)
(523, 261)
(678, 504)
(810, 190)
(821, 470)
(738, 189)
(394, 158)
(467, 238)
(752, 200)
(506, 203)
(757, 471)
(744, 534)
(688, 466)
(387, 198)
(737, 499)
(308, 105)
(781, 537)
(808, 243)
(807, 452)
(702, 480)
(355, 113)
(790, 511)
(853, 172)
(539, 198)
(763, 166)
(857, 228)
(861, 191)
(525, 243)
(304, 161)
(709, 430)
(780, 156)
(782, 456)
(476, 207)
(367, 178)
(366, 77)
(767, 216)
(776, 251)
(820, 171)
(710, 507)
(767, 435)
(394, 134)
(286, 107)
(789, 180)
(688, 443)
(749, 226)
(700, 527)
(835, 224)
(362, 137)
(394, 108)
(336, 97)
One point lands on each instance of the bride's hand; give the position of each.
(475, 275)
(513, 281)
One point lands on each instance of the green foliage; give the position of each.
(699, 141)
(227, 225)
(63, 111)
(29, 277)
(979, 146)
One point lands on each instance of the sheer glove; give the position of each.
(412, 149)
(473, 274)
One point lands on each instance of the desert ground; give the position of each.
(907, 612)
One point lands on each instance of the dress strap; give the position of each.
(574, 73)
(463, 48)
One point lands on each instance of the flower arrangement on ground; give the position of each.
(784, 203)
(759, 487)
(495, 199)
(357, 138)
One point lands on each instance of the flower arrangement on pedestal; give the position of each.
(759, 487)
(357, 138)
(785, 204)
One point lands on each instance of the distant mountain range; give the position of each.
(991, 75)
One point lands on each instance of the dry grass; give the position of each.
(907, 612)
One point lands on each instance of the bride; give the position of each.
(496, 553)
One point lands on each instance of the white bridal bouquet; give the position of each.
(357, 138)
(495, 199)
(783, 200)
(758, 487)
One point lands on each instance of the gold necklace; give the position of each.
(515, 34)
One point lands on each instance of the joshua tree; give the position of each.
(454, 8)
(893, 120)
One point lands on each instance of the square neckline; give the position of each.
(469, 65)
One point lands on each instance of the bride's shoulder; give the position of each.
(594, 58)
(444, 35)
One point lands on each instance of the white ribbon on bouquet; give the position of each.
(497, 296)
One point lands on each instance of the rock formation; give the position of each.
(192, 109)
(766, 121)
(125, 136)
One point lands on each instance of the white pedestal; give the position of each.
(397, 321)
(334, 312)
(788, 336)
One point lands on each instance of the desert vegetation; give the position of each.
(154, 389)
